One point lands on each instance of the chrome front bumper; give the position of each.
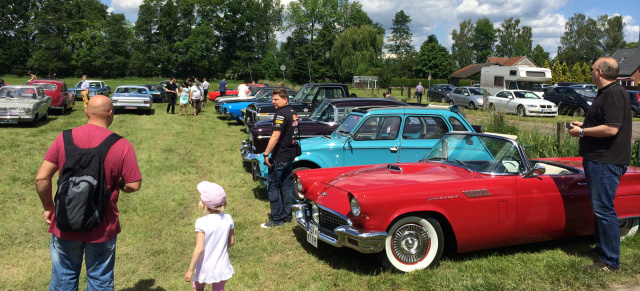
(348, 236)
(137, 105)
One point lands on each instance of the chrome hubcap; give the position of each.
(625, 226)
(410, 243)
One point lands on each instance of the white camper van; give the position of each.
(499, 78)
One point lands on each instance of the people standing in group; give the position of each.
(278, 157)
(202, 96)
(97, 245)
(214, 236)
(243, 89)
(172, 92)
(419, 91)
(184, 99)
(187, 82)
(194, 98)
(605, 148)
(205, 87)
(84, 90)
(222, 86)
(253, 86)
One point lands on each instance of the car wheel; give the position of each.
(492, 107)
(633, 113)
(628, 227)
(451, 102)
(521, 111)
(579, 112)
(294, 189)
(255, 171)
(34, 121)
(413, 243)
(471, 106)
(64, 109)
(46, 116)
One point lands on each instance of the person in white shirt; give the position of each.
(194, 97)
(205, 86)
(243, 90)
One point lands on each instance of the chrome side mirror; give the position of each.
(538, 169)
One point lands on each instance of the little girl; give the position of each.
(214, 236)
(184, 99)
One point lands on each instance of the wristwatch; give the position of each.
(581, 132)
(267, 155)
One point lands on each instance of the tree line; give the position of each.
(328, 40)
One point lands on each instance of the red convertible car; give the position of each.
(57, 90)
(215, 94)
(472, 191)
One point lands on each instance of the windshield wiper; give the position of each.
(463, 164)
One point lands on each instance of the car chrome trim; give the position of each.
(477, 193)
(394, 167)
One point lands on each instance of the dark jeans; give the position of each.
(602, 183)
(206, 96)
(279, 187)
(419, 97)
(222, 93)
(172, 102)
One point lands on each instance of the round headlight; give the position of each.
(355, 206)
(299, 186)
(27, 110)
(315, 214)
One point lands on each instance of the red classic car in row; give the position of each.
(215, 94)
(57, 90)
(472, 191)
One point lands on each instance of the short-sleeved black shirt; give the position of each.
(285, 121)
(172, 87)
(611, 106)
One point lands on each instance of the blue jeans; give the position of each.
(66, 258)
(279, 186)
(602, 183)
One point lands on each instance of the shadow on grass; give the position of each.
(339, 258)
(260, 193)
(145, 285)
(575, 246)
(38, 124)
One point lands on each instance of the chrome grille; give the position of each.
(330, 221)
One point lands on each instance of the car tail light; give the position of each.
(146, 102)
(638, 97)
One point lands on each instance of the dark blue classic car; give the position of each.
(95, 88)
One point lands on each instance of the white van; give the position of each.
(500, 78)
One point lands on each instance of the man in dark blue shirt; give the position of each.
(223, 86)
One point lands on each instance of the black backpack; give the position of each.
(83, 194)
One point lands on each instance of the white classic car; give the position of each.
(522, 103)
(23, 104)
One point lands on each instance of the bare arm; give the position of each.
(129, 187)
(232, 238)
(197, 251)
(273, 140)
(43, 187)
(604, 130)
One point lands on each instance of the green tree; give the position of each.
(461, 49)
(484, 38)
(612, 33)
(539, 55)
(586, 73)
(354, 47)
(581, 40)
(51, 52)
(15, 43)
(115, 51)
(513, 40)
(399, 40)
(144, 61)
(433, 59)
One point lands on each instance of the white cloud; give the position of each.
(631, 32)
(127, 7)
(110, 10)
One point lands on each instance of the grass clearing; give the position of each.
(157, 239)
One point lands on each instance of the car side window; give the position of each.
(457, 91)
(424, 127)
(457, 124)
(379, 128)
(502, 95)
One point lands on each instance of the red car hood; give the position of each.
(411, 173)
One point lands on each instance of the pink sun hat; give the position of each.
(211, 194)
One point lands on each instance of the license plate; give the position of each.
(312, 234)
(130, 107)
(9, 121)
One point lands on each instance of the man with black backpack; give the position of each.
(95, 165)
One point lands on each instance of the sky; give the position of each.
(440, 17)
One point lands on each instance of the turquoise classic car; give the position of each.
(374, 135)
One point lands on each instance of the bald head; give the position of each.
(100, 110)
(609, 68)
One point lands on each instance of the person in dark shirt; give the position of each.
(605, 148)
(282, 149)
(172, 91)
(223, 86)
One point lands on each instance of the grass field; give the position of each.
(157, 239)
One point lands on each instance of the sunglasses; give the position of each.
(591, 69)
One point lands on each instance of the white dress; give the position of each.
(213, 265)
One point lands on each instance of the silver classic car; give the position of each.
(131, 97)
(23, 104)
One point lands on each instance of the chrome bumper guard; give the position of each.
(348, 236)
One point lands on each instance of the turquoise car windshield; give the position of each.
(484, 154)
(348, 124)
